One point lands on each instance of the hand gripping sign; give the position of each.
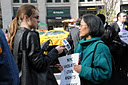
(68, 75)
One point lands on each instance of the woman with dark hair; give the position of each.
(95, 66)
(33, 68)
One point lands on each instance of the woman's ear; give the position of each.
(26, 18)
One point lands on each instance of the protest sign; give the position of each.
(68, 75)
(124, 36)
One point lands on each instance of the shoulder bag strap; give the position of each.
(94, 54)
(26, 74)
(24, 39)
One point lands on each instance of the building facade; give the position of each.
(52, 12)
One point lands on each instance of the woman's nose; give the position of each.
(79, 27)
(38, 21)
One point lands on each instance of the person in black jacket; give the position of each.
(27, 18)
(122, 50)
(109, 31)
(111, 40)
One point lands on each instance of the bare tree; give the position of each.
(109, 9)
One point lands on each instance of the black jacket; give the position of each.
(109, 34)
(119, 50)
(112, 40)
(38, 62)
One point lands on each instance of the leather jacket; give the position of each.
(36, 59)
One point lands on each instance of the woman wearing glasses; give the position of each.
(95, 65)
(38, 69)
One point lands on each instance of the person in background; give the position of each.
(27, 18)
(73, 36)
(9, 74)
(95, 66)
(120, 48)
(109, 32)
(109, 38)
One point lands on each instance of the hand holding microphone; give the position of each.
(60, 48)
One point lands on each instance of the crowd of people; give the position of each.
(102, 51)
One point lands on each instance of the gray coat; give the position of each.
(73, 37)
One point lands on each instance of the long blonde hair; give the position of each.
(26, 9)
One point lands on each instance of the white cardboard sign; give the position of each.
(124, 36)
(68, 75)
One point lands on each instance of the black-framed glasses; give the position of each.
(36, 17)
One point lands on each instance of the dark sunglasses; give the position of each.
(36, 17)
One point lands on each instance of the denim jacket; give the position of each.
(9, 74)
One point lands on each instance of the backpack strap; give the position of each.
(94, 54)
